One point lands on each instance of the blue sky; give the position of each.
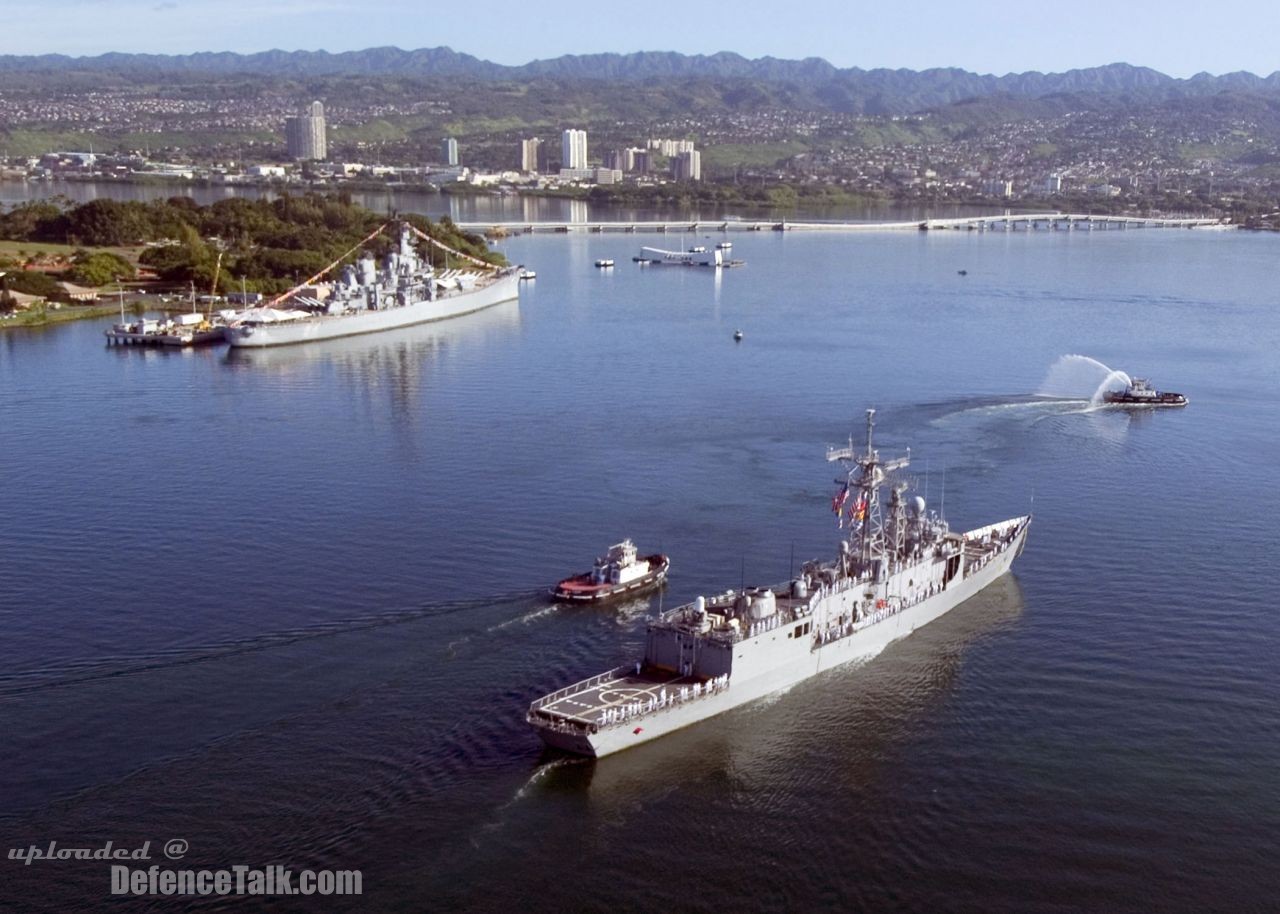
(1178, 37)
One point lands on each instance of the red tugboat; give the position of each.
(1140, 393)
(618, 573)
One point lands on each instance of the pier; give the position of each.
(1007, 222)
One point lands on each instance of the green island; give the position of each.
(59, 259)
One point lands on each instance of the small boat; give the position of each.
(963, 272)
(737, 335)
(618, 573)
(604, 263)
(528, 274)
(1140, 393)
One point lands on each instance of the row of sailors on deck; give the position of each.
(844, 626)
(764, 625)
(662, 699)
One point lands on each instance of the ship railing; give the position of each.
(615, 673)
(892, 605)
(981, 548)
(630, 712)
(1012, 527)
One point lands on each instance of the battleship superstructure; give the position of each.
(899, 568)
(406, 290)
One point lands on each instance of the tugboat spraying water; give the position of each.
(1140, 393)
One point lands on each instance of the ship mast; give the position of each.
(866, 473)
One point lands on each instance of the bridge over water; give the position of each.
(995, 223)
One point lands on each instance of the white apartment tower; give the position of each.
(529, 154)
(573, 149)
(304, 135)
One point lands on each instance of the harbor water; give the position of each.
(287, 605)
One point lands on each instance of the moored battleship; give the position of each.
(406, 290)
(900, 568)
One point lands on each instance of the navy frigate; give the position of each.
(899, 568)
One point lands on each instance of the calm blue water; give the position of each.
(285, 605)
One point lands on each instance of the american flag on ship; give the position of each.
(837, 503)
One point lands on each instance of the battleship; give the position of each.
(406, 291)
(899, 568)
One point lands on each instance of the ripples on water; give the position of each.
(288, 605)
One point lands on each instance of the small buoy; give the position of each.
(737, 335)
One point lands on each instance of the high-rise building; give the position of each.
(449, 151)
(573, 149)
(529, 154)
(670, 147)
(304, 135)
(998, 187)
(622, 159)
(687, 166)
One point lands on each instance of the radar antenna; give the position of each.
(866, 474)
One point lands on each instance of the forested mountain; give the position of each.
(852, 90)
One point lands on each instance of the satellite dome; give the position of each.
(917, 506)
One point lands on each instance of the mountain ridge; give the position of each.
(811, 81)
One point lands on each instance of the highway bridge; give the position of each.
(996, 223)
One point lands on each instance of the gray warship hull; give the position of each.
(632, 705)
(502, 288)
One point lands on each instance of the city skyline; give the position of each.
(989, 36)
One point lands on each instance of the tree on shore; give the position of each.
(99, 268)
(269, 242)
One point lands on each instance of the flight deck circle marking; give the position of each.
(622, 696)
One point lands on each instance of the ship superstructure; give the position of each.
(899, 568)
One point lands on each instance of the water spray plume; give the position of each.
(1079, 377)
